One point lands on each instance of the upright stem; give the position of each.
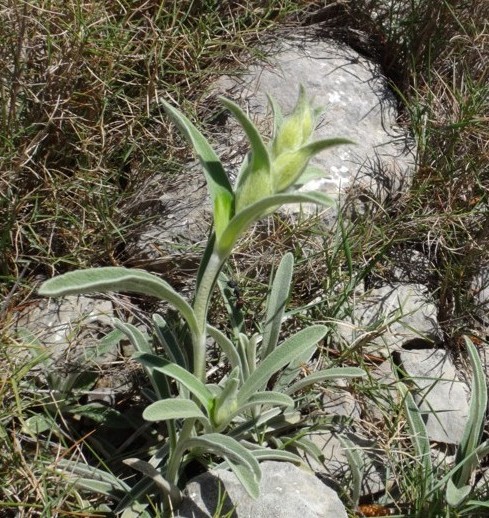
(201, 307)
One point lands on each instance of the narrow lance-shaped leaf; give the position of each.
(173, 409)
(474, 427)
(279, 358)
(218, 184)
(186, 378)
(169, 342)
(252, 213)
(242, 461)
(269, 398)
(226, 403)
(169, 490)
(114, 278)
(419, 434)
(326, 374)
(227, 347)
(289, 166)
(254, 180)
(278, 117)
(276, 304)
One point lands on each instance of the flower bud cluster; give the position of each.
(289, 156)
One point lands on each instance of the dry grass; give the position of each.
(81, 134)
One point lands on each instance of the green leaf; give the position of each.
(474, 427)
(186, 378)
(168, 341)
(241, 460)
(226, 346)
(326, 374)
(243, 219)
(254, 179)
(226, 403)
(37, 424)
(84, 472)
(278, 117)
(279, 358)
(104, 346)
(168, 489)
(290, 373)
(280, 455)
(311, 172)
(306, 445)
(230, 301)
(269, 398)
(173, 409)
(456, 495)
(102, 414)
(218, 184)
(289, 166)
(114, 278)
(419, 434)
(276, 304)
(139, 340)
(357, 466)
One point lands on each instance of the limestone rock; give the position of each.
(285, 491)
(65, 325)
(440, 394)
(335, 468)
(358, 105)
(391, 316)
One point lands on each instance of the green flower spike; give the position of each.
(296, 129)
(291, 146)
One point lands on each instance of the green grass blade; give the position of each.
(326, 374)
(276, 304)
(280, 357)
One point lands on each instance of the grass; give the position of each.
(82, 136)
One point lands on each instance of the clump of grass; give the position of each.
(80, 83)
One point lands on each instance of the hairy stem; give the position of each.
(201, 308)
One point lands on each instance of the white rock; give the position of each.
(285, 492)
(440, 394)
(401, 313)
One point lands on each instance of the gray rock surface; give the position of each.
(358, 105)
(390, 317)
(285, 492)
(64, 326)
(335, 468)
(440, 394)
